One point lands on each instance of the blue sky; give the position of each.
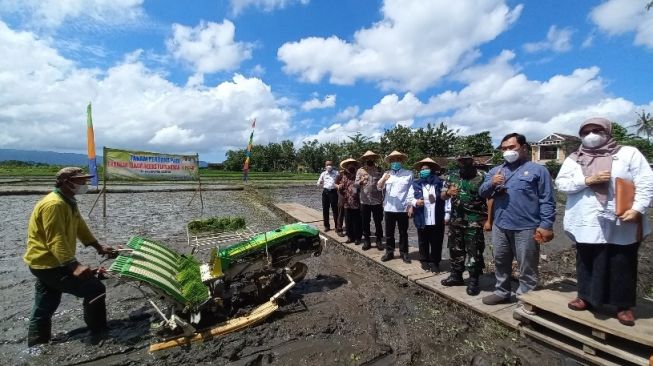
(186, 77)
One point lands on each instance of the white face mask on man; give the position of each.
(511, 156)
(592, 140)
(79, 188)
(329, 168)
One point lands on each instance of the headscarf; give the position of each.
(594, 160)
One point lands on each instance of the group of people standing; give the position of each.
(516, 201)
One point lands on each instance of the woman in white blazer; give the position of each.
(606, 244)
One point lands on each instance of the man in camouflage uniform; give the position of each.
(468, 214)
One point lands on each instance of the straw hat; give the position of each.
(427, 161)
(347, 161)
(369, 155)
(396, 155)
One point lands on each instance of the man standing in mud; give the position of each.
(523, 215)
(54, 227)
(468, 214)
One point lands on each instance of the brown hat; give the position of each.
(71, 172)
(369, 155)
(347, 161)
(397, 155)
(427, 161)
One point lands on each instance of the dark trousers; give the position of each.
(50, 284)
(354, 223)
(369, 211)
(607, 274)
(466, 246)
(329, 200)
(392, 220)
(430, 240)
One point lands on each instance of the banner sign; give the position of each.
(141, 165)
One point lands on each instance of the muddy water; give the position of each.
(347, 312)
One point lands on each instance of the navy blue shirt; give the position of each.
(528, 201)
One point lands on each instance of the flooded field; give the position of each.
(347, 311)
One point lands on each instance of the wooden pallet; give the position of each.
(594, 337)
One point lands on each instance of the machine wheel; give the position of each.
(298, 271)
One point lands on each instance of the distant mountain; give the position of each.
(53, 158)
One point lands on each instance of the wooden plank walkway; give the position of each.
(592, 334)
(632, 344)
(412, 271)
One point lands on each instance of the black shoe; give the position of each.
(387, 256)
(472, 287)
(341, 234)
(495, 299)
(453, 280)
(379, 244)
(327, 229)
(426, 266)
(405, 257)
(357, 242)
(435, 268)
(367, 245)
(349, 241)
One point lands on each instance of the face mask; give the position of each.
(369, 163)
(593, 140)
(351, 169)
(79, 188)
(329, 168)
(511, 156)
(395, 165)
(424, 173)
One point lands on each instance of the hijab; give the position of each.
(594, 160)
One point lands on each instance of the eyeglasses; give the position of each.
(596, 131)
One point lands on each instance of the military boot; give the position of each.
(454, 279)
(473, 287)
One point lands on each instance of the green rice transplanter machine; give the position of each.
(243, 269)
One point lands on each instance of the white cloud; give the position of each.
(414, 45)
(497, 98)
(557, 40)
(347, 113)
(173, 135)
(134, 107)
(329, 101)
(617, 17)
(46, 14)
(237, 6)
(209, 47)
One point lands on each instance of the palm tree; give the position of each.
(644, 124)
(649, 6)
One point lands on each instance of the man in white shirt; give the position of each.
(396, 182)
(329, 194)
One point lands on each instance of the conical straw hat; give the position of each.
(347, 161)
(396, 154)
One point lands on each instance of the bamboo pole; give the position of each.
(104, 179)
(256, 316)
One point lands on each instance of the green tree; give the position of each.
(553, 167)
(311, 155)
(476, 144)
(235, 160)
(356, 146)
(399, 138)
(649, 5)
(644, 124)
(288, 160)
(433, 141)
